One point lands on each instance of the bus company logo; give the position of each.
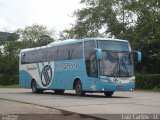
(115, 80)
(46, 75)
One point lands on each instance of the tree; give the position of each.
(35, 35)
(67, 34)
(98, 15)
(146, 33)
(77, 33)
(9, 61)
(135, 20)
(31, 36)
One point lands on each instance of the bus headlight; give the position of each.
(131, 89)
(104, 80)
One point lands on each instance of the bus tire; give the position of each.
(78, 89)
(59, 91)
(34, 87)
(108, 93)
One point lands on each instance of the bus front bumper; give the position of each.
(117, 87)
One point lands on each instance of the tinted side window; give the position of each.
(42, 55)
(32, 56)
(24, 58)
(89, 47)
(53, 54)
(90, 58)
(76, 51)
(63, 53)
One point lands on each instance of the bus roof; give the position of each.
(68, 41)
(63, 42)
(111, 39)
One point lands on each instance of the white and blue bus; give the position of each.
(85, 65)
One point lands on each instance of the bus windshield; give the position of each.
(116, 59)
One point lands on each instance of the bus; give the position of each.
(85, 65)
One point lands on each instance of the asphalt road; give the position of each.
(92, 104)
(11, 110)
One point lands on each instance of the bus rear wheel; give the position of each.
(34, 87)
(79, 90)
(59, 91)
(108, 93)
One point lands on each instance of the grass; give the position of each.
(9, 86)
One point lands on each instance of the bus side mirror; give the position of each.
(137, 56)
(99, 54)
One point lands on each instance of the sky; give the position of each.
(54, 14)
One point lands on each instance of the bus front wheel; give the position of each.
(108, 93)
(79, 90)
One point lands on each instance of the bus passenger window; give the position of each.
(90, 58)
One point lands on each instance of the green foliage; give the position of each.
(9, 61)
(35, 35)
(67, 34)
(135, 20)
(7, 79)
(148, 81)
(31, 36)
(146, 33)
